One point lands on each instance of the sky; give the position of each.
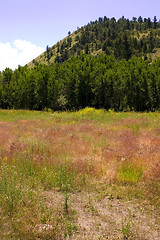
(28, 26)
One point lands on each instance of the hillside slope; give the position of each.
(123, 39)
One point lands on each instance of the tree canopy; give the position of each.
(85, 80)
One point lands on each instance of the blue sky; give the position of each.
(28, 26)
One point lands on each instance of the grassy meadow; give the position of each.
(90, 174)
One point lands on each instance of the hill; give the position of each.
(122, 38)
(105, 64)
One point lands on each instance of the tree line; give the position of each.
(84, 80)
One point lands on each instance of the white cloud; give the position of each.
(20, 52)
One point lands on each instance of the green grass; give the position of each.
(15, 115)
(21, 187)
(129, 173)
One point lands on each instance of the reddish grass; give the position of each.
(79, 141)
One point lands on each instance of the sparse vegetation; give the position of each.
(122, 38)
(91, 173)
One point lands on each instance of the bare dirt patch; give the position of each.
(108, 217)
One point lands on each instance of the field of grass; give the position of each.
(88, 175)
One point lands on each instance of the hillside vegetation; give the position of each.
(123, 38)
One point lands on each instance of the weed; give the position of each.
(110, 197)
(129, 173)
(126, 229)
(91, 207)
(9, 189)
(64, 178)
(66, 197)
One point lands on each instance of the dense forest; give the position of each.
(101, 82)
(105, 64)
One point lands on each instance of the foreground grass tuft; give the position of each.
(129, 173)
